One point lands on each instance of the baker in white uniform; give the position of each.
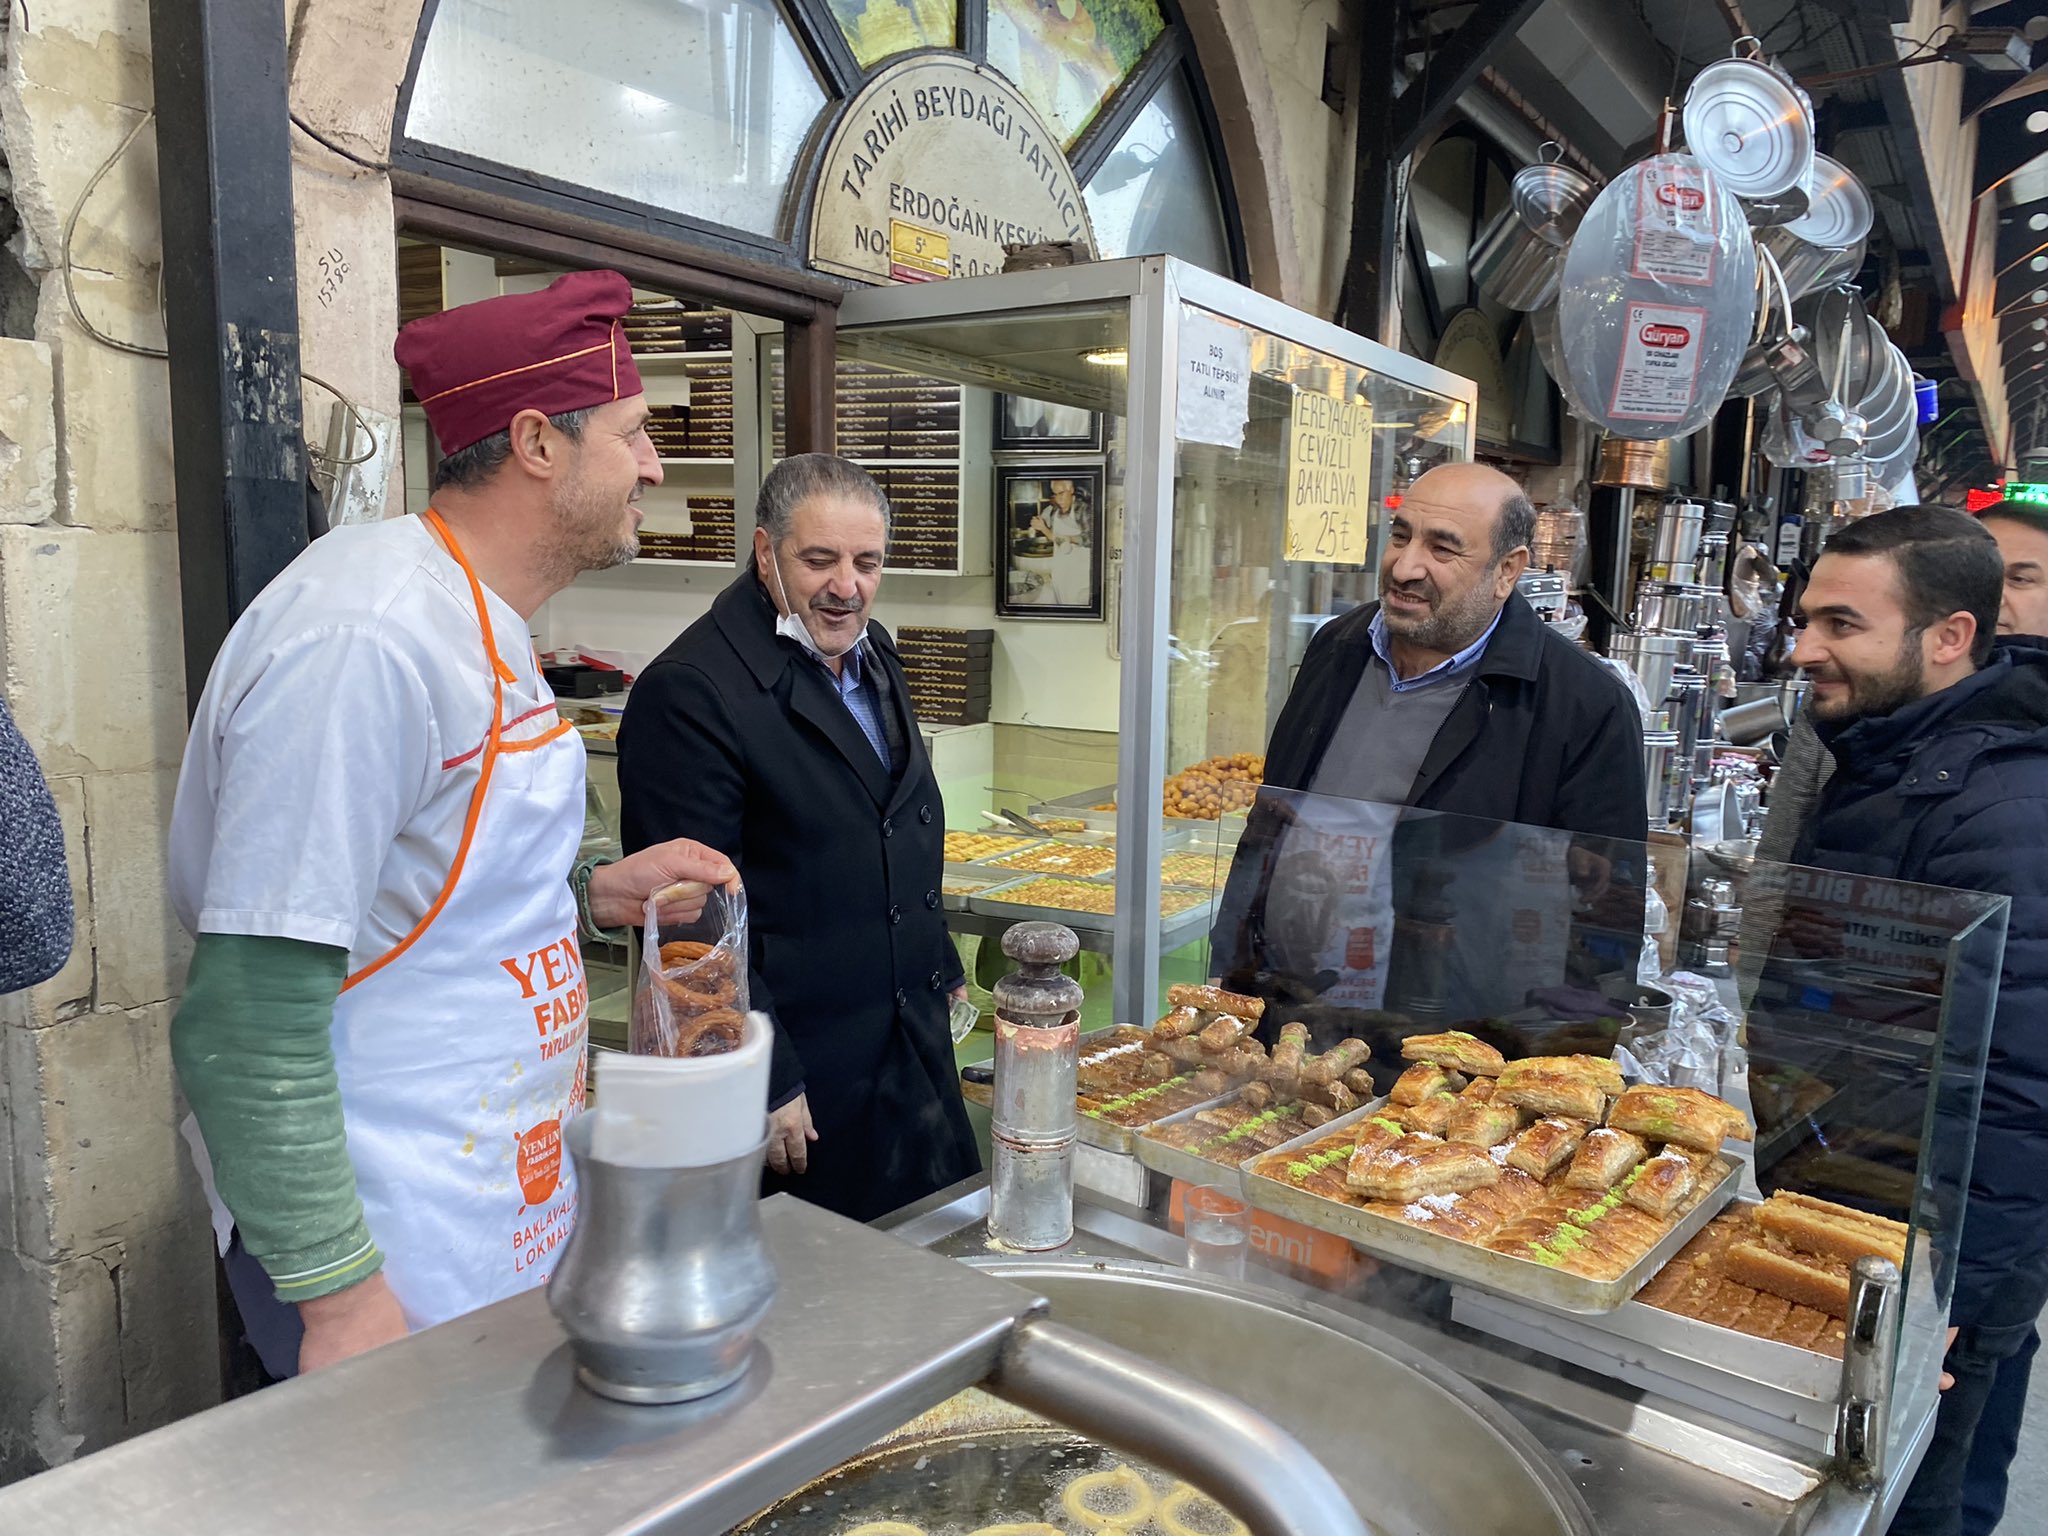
(375, 842)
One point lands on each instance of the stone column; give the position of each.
(107, 1313)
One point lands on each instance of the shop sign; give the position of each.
(1329, 478)
(937, 165)
(1215, 380)
(2032, 493)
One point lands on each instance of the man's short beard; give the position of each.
(1881, 693)
(1447, 627)
(584, 542)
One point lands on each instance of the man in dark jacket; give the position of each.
(782, 720)
(1940, 740)
(1448, 695)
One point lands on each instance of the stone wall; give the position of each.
(107, 1319)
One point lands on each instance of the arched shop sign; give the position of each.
(937, 165)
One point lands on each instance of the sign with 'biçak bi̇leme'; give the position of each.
(937, 165)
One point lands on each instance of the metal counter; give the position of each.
(1640, 1461)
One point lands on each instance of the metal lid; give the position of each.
(1839, 212)
(1748, 124)
(1550, 199)
(1847, 345)
(1037, 992)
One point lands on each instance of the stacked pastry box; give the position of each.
(949, 672)
(1546, 1178)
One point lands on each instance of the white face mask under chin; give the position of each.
(790, 627)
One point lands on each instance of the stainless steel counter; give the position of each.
(1641, 1464)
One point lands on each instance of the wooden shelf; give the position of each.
(713, 355)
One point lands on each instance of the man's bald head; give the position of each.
(1474, 487)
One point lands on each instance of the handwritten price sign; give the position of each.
(1329, 479)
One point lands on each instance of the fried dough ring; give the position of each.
(1075, 1500)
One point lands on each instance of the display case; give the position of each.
(1755, 1344)
(1248, 453)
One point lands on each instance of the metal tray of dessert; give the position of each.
(1781, 1389)
(1106, 1135)
(1174, 931)
(1178, 1162)
(1449, 1259)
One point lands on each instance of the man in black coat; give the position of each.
(778, 728)
(1940, 741)
(1448, 695)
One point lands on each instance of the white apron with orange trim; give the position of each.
(460, 1051)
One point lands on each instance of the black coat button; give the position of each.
(902, 999)
(936, 982)
(888, 827)
(895, 915)
(924, 814)
(931, 900)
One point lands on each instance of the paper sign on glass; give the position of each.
(1329, 479)
(1215, 381)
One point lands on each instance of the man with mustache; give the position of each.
(375, 842)
(1450, 694)
(780, 724)
(1939, 732)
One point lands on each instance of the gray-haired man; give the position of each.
(782, 719)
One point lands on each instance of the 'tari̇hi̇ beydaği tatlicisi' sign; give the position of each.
(937, 165)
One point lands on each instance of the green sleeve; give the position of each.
(253, 1047)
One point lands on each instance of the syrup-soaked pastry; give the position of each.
(1480, 1124)
(1216, 1000)
(1424, 1080)
(1688, 1116)
(1551, 1091)
(1178, 1024)
(1457, 1050)
(1663, 1183)
(1603, 1157)
(1340, 1058)
(1432, 1116)
(1547, 1145)
(1415, 1166)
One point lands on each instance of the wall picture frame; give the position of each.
(1050, 541)
(1024, 425)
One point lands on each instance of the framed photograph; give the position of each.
(1049, 541)
(1023, 425)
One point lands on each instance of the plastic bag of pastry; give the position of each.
(690, 998)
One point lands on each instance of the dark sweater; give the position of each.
(35, 883)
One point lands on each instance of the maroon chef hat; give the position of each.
(477, 366)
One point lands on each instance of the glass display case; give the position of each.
(1189, 478)
(1716, 1289)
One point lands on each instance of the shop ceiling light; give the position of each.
(1107, 357)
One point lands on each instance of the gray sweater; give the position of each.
(35, 885)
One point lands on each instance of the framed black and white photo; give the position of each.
(1025, 425)
(1049, 541)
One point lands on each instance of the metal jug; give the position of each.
(666, 1278)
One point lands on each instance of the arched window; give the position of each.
(702, 119)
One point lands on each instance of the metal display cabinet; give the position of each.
(1309, 432)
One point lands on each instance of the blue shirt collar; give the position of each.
(1443, 672)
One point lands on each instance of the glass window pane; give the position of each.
(1440, 192)
(1156, 193)
(1067, 56)
(697, 106)
(875, 29)
(1242, 612)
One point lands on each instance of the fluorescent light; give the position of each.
(1108, 357)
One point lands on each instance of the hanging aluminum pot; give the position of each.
(1850, 349)
(1807, 267)
(1516, 260)
(1750, 124)
(1839, 212)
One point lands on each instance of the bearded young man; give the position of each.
(1939, 733)
(1449, 694)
